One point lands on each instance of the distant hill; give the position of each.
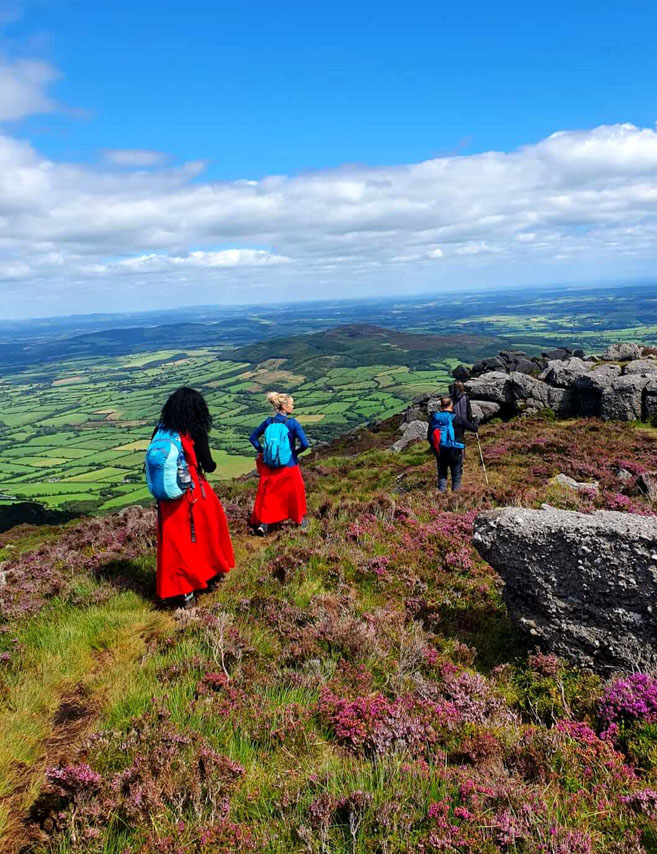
(356, 345)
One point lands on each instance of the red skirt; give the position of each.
(193, 543)
(281, 495)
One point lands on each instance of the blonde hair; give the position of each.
(279, 400)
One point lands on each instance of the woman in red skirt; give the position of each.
(281, 493)
(194, 550)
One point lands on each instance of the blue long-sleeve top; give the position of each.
(296, 435)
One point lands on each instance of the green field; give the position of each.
(73, 433)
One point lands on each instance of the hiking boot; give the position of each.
(262, 530)
(304, 527)
(189, 601)
(213, 583)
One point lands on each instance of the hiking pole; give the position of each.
(481, 456)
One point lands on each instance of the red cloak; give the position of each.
(193, 542)
(281, 495)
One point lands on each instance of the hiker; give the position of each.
(444, 427)
(462, 407)
(194, 549)
(281, 492)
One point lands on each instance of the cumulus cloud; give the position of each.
(577, 197)
(134, 157)
(24, 88)
(197, 260)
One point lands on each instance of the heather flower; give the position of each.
(632, 698)
(74, 779)
(644, 801)
(545, 665)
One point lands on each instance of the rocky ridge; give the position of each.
(619, 384)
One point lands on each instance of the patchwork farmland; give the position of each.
(73, 433)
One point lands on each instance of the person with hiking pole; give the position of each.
(281, 492)
(448, 450)
(462, 408)
(194, 549)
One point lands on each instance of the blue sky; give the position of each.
(267, 87)
(131, 131)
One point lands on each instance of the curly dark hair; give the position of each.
(186, 412)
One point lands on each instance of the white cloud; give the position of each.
(588, 196)
(23, 88)
(207, 260)
(134, 157)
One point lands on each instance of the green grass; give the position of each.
(68, 652)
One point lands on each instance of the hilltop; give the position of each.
(362, 344)
(357, 689)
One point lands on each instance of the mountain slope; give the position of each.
(357, 689)
(366, 344)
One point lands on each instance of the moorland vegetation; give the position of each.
(357, 689)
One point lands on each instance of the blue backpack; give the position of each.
(167, 472)
(276, 445)
(442, 432)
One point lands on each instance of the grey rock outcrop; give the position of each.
(591, 385)
(484, 410)
(494, 386)
(622, 351)
(564, 374)
(528, 388)
(462, 372)
(565, 381)
(578, 485)
(623, 399)
(584, 586)
(557, 353)
(412, 433)
(564, 401)
(413, 414)
(650, 399)
(647, 483)
(641, 366)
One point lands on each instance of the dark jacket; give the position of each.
(463, 410)
(296, 434)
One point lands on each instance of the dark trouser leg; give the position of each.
(456, 466)
(443, 464)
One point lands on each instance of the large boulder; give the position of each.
(484, 410)
(494, 386)
(623, 399)
(578, 485)
(584, 586)
(462, 372)
(641, 366)
(412, 414)
(516, 360)
(622, 351)
(591, 385)
(647, 483)
(525, 366)
(650, 400)
(524, 387)
(494, 363)
(564, 401)
(564, 374)
(557, 354)
(413, 432)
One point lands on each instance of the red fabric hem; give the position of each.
(281, 495)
